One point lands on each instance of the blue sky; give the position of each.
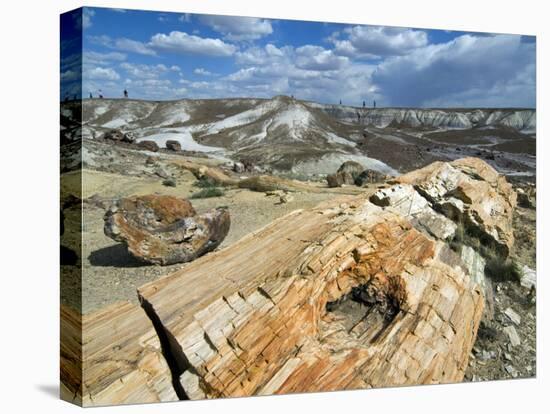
(159, 55)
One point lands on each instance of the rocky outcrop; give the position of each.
(165, 230)
(471, 192)
(523, 120)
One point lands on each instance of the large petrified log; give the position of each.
(112, 356)
(253, 318)
(164, 229)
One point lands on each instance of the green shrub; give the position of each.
(169, 182)
(502, 270)
(205, 182)
(497, 267)
(208, 192)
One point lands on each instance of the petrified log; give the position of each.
(213, 173)
(148, 145)
(265, 183)
(346, 295)
(112, 356)
(165, 229)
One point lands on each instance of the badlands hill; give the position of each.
(293, 136)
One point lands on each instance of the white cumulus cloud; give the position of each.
(181, 42)
(238, 28)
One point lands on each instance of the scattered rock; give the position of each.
(149, 145)
(277, 193)
(238, 167)
(512, 335)
(511, 370)
(527, 197)
(487, 355)
(129, 137)
(151, 160)
(513, 316)
(165, 230)
(285, 198)
(161, 173)
(528, 278)
(173, 145)
(118, 135)
(369, 177)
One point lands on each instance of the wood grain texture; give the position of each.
(251, 319)
(120, 356)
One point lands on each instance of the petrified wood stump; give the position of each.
(164, 229)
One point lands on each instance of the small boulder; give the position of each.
(369, 177)
(113, 135)
(120, 136)
(351, 167)
(285, 198)
(339, 179)
(129, 137)
(149, 145)
(165, 230)
(238, 167)
(173, 145)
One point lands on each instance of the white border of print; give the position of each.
(30, 187)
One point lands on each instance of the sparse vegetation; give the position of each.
(205, 182)
(208, 193)
(497, 267)
(169, 182)
(502, 270)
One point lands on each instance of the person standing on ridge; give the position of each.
(91, 96)
(125, 94)
(374, 104)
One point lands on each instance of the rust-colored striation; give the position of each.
(259, 324)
